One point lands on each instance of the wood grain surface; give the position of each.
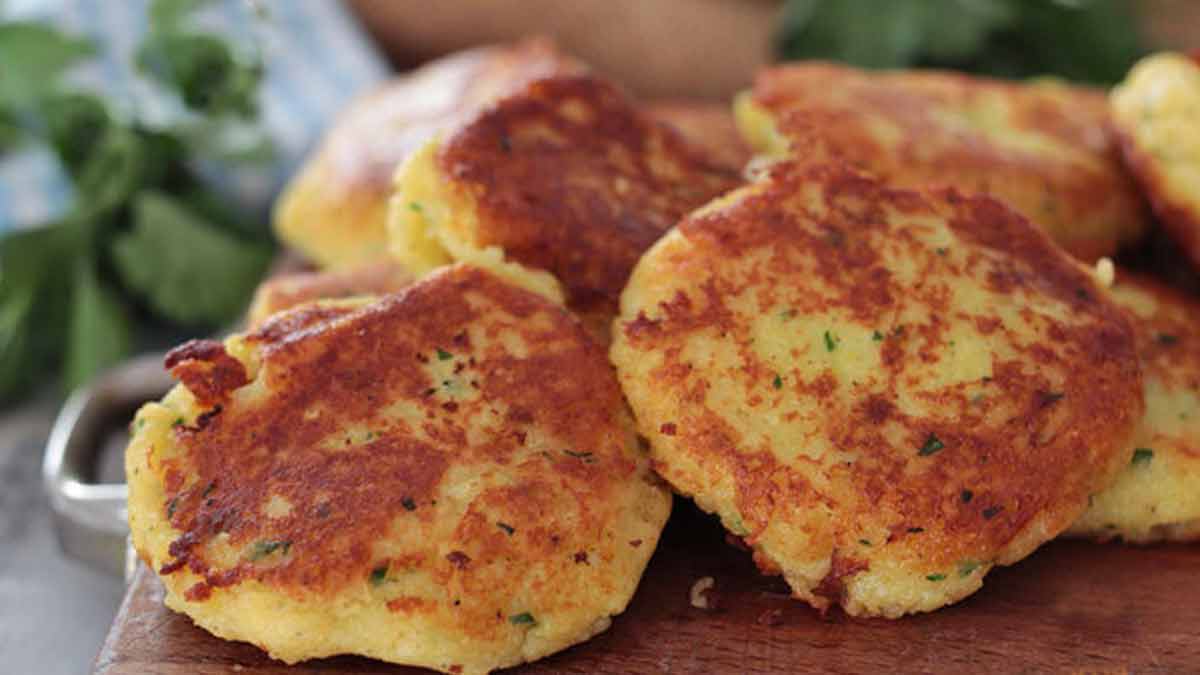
(1073, 607)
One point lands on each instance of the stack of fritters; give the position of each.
(880, 361)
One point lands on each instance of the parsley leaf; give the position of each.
(171, 257)
(1142, 457)
(42, 53)
(99, 332)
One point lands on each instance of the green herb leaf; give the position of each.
(932, 445)
(522, 618)
(99, 331)
(966, 567)
(877, 336)
(508, 529)
(935, 577)
(777, 382)
(1167, 339)
(74, 122)
(35, 55)
(171, 257)
(444, 355)
(830, 341)
(265, 548)
(1142, 457)
(379, 575)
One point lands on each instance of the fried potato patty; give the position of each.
(447, 477)
(291, 290)
(709, 126)
(883, 392)
(334, 210)
(565, 180)
(1157, 496)
(1157, 115)
(1042, 148)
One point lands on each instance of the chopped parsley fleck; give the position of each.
(1051, 397)
(263, 549)
(1142, 457)
(1166, 339)
(967, 496)
(171, 506)
(865, 542)
(508, 529)
(777, 382)
(209, 488)
(966, 567)
(935, 577)
(585, 456)
(414, 207)
(140, 423)
(444, 355)
(379, 575)
(177, 423)
(932, 445)
(408, 504)
(830, 341)
(877, 336)
(991, 512)
(916, 530)
(942, 250)
(522, 618)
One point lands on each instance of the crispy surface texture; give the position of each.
(286, 291)
(1044, 148)
(1156, 112)
(883, 392)
(1157, 496)
(565, 180)
(447, 477)
(707, 125)
(334, 210)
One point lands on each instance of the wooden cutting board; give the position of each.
(1072, 607)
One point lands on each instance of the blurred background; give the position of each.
(142, 143)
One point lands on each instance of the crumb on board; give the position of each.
(699, 593)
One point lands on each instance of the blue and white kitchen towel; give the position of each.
(317, 57)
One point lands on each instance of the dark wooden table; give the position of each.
(1072, 607)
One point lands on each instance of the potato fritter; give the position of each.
(565, 180)
(291, 290)
(1157, 115)
(1157, 496)
(708, 126)
(334, 210)
(1042, 148)
(884, 392)
(447, 477)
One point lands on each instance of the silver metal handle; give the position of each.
(90, 518)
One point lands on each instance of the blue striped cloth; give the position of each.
(317, 57)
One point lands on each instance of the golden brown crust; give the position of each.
(1005, 389)
(1044, 149)
(334, 210)
(567, 176)
(342, 497)
(709, 126)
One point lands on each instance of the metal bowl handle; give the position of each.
(90, 519)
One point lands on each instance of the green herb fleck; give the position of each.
(508, 529)
(932, 445)
(522, 618)
(830, 341)
(935, 577)
(414, 207)
(877, 336)
(444, 355)
(787, 314)
(1167, 339)
(379, 575)
(991, 512)
(263, 549)
(916, 530)
(777, 382)
(941, 250)
(408, 504)
(177, 423)
(865, 542)
(967, 496)
(209, 488)
(966, 567)
(585, 456)
(171, 506)
(1142, 457)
